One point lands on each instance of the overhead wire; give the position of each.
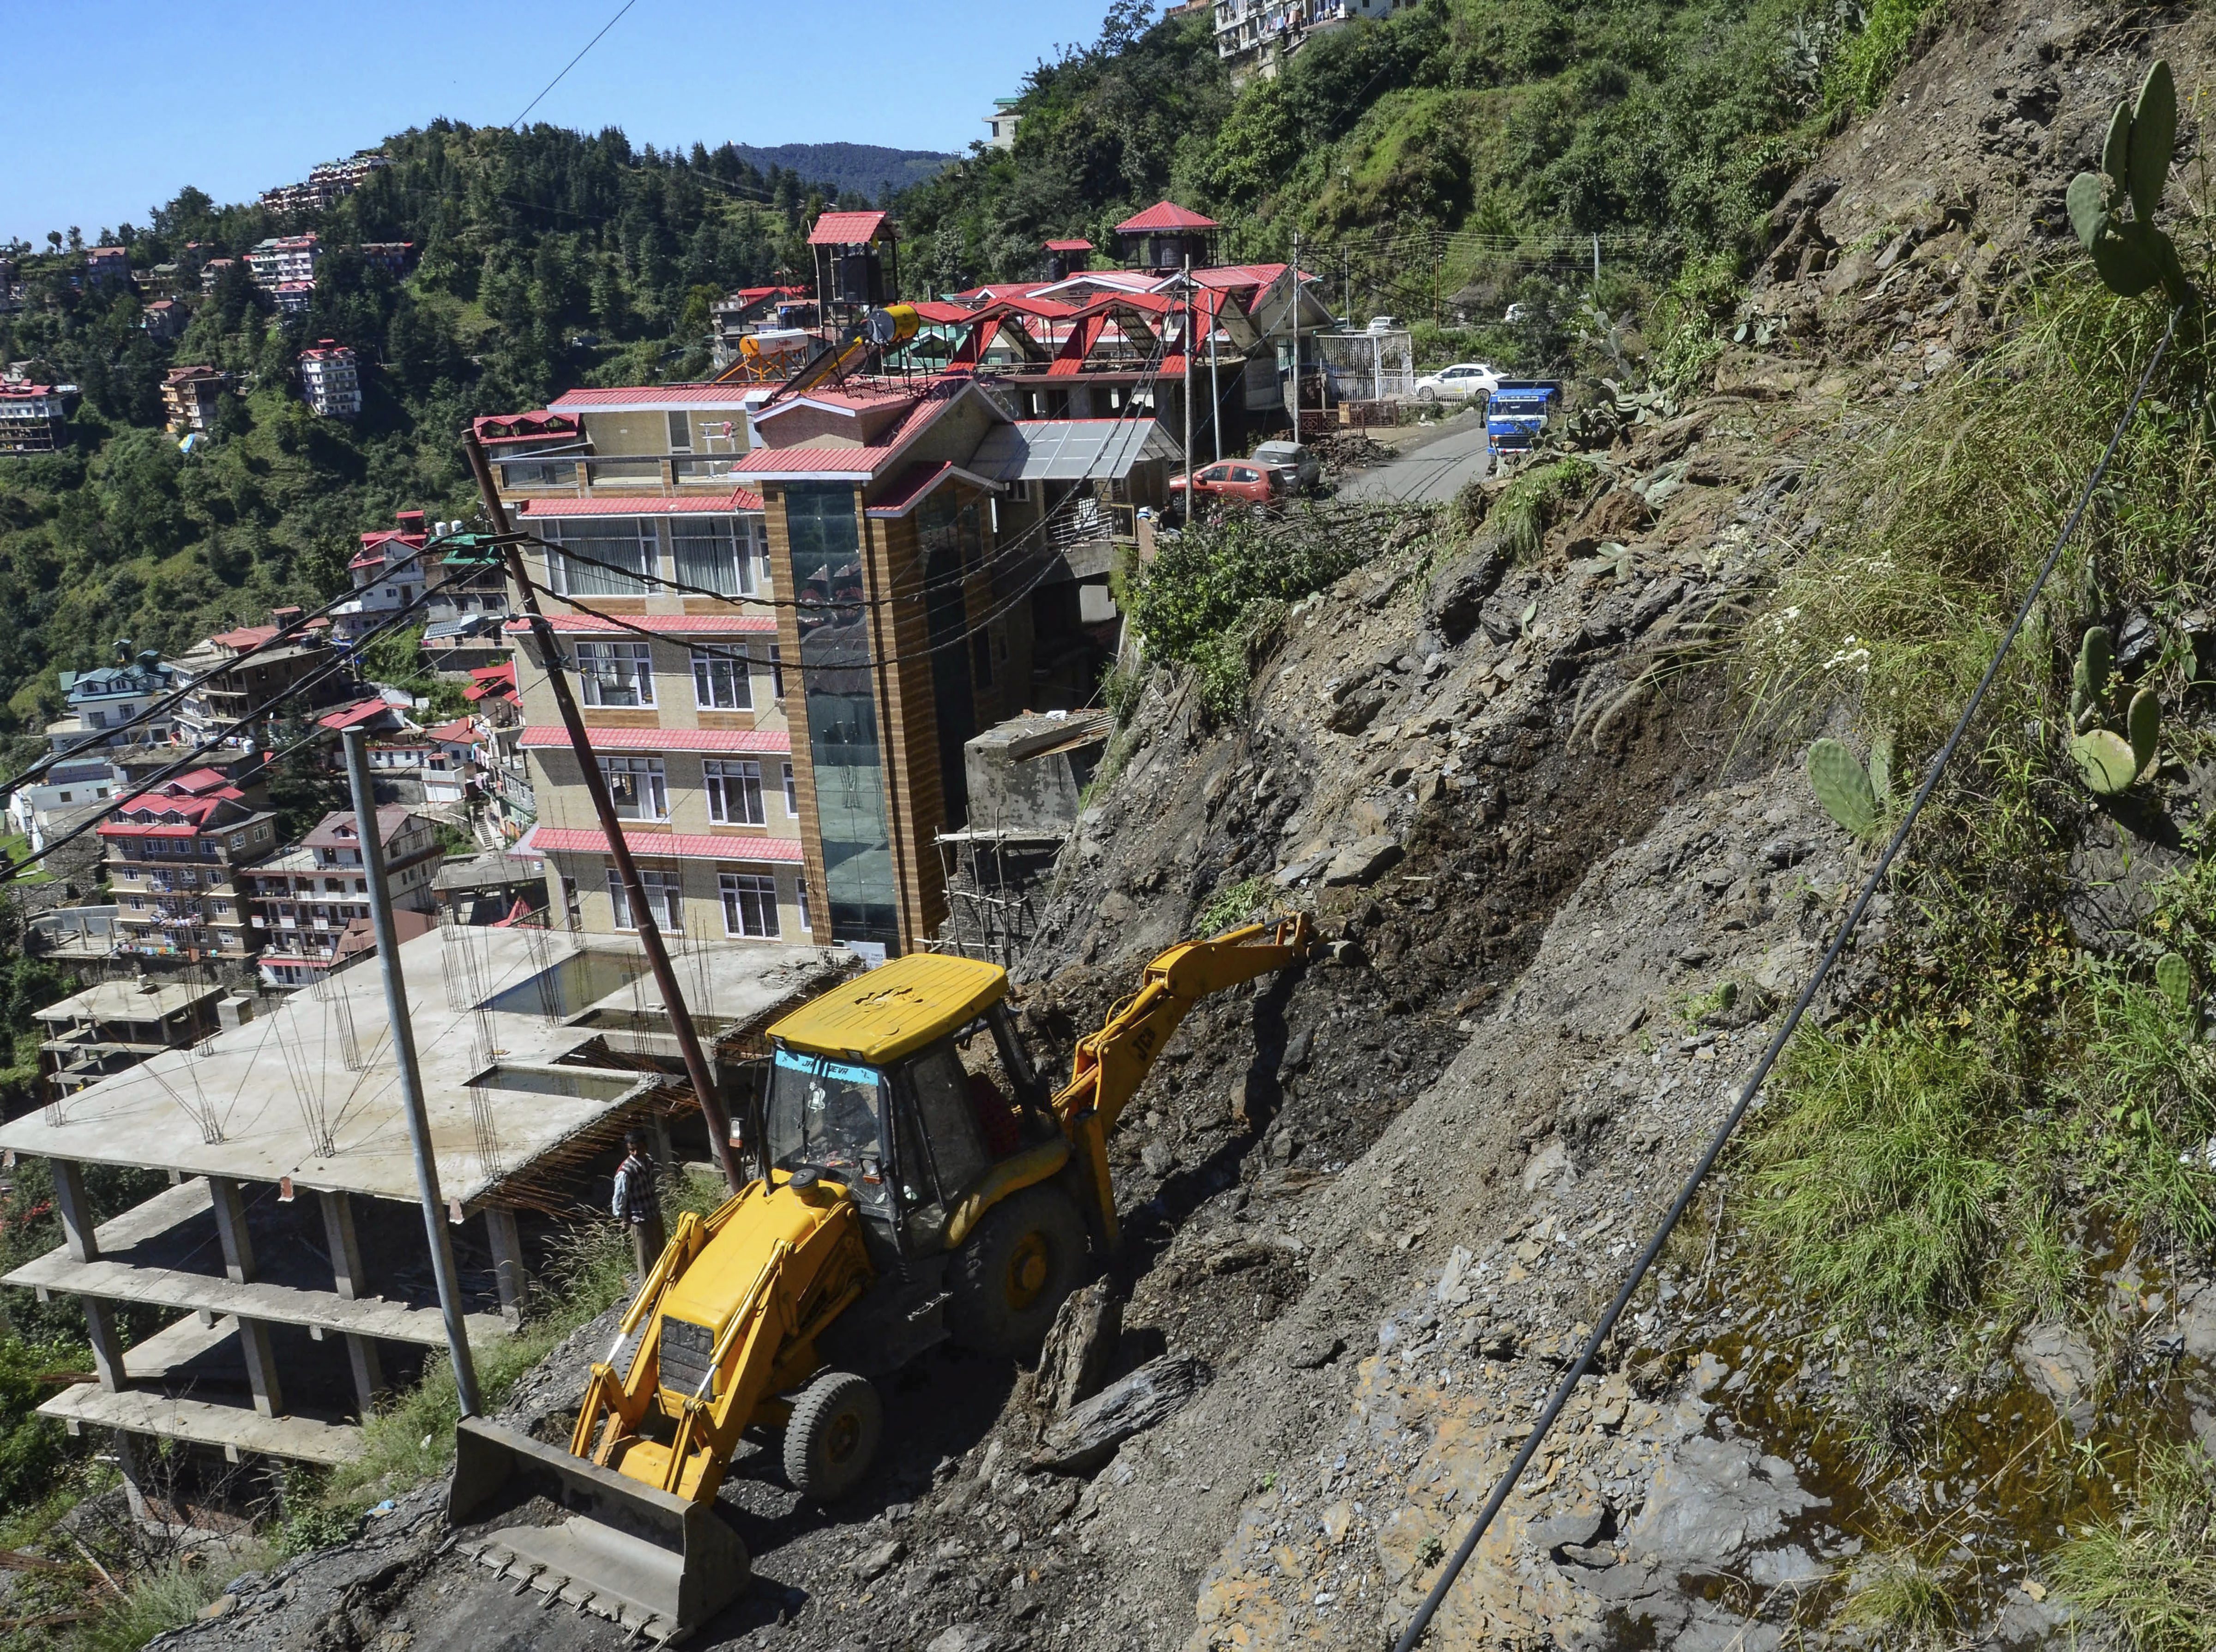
(1752, 1087)
(572, 63)
(171, 699)
(11, 869)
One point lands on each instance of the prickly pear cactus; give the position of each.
(2132, 255)
(2143, 728)
(2175, 978)
(1842, 786)
(2105, 761)
(2089, 678)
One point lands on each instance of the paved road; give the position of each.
(1435, 470)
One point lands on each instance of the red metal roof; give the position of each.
(847, 229)
(681, 846)
(1165, 215)
(348, 717)
(1076, 245)
(523, 427)
(497, 682)
(942, 314)
(459, 732)
(707, 504)
(808, 462)
(673, 625)
(909, 487)
(648, 396)
(539, 736)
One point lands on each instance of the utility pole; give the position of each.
(1595, 260)
(411, 1078)
(596, 787)
(1214, 392)
(1297, 337)
(1188, 388)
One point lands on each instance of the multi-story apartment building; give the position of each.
(325, 183)
(1254, 36)
(385, 578)
(34, 418)
(173, 852)
(293, 297)
(212, 272)
(115, 1025)
(329, 382)
(302, 900)
(283, 260)
(163, 319)
(305, 672)
(108, 266)
(394, 258)
(1002, 123)
(188, 395)
(103, 703)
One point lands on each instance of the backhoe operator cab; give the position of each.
(911, 1091)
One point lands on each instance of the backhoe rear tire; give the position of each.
(1008, 1281)
(832, 1437)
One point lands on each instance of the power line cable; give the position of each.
(11, 869)
(1752, 1087)
(176, 697)
(572, 63)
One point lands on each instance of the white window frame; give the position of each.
(728, 564)
(734, 791)
(664, 890)
(640, 783)
(607, 671)
(739, 890)
(791, 794)
(736, 674)
(607, 539)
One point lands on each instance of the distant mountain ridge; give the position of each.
(866, 167)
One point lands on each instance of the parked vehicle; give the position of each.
(1458, 383)
(1517, 413)
(1293, 465)
(1232, 481)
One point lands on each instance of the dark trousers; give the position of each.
(647, 1242)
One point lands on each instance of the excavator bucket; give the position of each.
(660, 1565)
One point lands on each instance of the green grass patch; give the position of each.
(1240, 902)
(1901, 1602)
(2152, 1573)
(1877, 1183)
(1535, 501)
(153, 1603)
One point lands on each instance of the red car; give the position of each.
(1231, 481)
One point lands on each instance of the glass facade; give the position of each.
(843, 738)
(951, 541)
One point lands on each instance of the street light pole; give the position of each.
(411, 1077)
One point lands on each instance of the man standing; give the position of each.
(636, 1204)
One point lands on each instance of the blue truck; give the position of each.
(1517, 412)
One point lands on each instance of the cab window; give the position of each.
(950, 1120)
(827, 1116)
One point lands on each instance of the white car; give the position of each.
(1458, 383)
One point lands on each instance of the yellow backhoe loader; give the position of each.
(916, 1181)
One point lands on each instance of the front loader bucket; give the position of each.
(654, 1562)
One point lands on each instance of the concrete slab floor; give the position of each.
(311, 1091)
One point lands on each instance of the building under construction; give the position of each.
(283, 1279)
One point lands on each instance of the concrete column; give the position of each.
(262, 1368)
(75, 1211)
(508, 1270)
(346, 1271)
(346, 1248)
(107, 1346)
(134, 1469)
(230, 1229)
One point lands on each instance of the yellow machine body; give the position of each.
(727, 1322)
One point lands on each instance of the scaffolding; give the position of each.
(991, 873)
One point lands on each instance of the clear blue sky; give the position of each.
(133, 101)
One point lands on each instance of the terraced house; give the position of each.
(173, 853)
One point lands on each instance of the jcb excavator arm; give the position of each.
(1111, 1065)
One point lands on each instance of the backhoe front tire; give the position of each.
(832, 1437)
(1010, 1278)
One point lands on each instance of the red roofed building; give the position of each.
(173, 853)
(188, 395)
(295, 668)
(303, 900)
(329, 382)
(34, 418)
(389, 574)
(857, 260)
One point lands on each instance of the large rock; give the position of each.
(1713, 1500)
(1362, 860)
(1075, 1361)
(1087, 1435)
(2061, 1366)
(1458, 593)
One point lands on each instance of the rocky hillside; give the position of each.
(1930, 1363)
